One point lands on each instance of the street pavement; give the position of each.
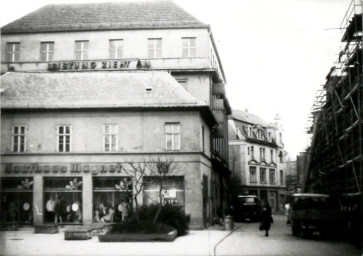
(244, 240)
(248, 240)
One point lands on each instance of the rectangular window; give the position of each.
(154, 47)
(172, 136)
(64, 138)
(281, 177)
(46, 51)
(253, 174)
(12, 52)
(116, 48)
(272, 176)
(248, 150)
(110, 137)
(281, 156)
(81, 50)
(189, 47)
(263, 175)
(272, 155)
(252, 152)
(262, 154)
(18, 138)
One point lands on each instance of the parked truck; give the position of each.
(311, 213)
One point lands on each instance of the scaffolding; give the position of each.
(335, 160)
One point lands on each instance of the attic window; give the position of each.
(148, 89)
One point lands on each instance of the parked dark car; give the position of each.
(247, 208)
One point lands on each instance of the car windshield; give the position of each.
(247, 200)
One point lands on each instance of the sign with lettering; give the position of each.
(93, 65)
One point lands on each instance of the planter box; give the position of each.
(138, 237)
(86, 232)
(46, 229)
(78, 234)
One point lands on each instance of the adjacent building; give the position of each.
(257, 157)
(335, 156)
(88, 89)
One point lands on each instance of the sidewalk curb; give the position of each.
(220, 241)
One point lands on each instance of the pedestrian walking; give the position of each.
(266, 218)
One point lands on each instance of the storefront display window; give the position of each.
(16, 200)
(111, 198)
(63, 200)
(172, 190)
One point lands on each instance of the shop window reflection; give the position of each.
(16, 200)
(63, 200)
(112, 198)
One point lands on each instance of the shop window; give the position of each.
(18, 135)
(64, 138)
(112, 198)
(110, 137)
(116, 48)
(172, 190)
(16, 203)
(154, 47)
(262, 175)
(189, 47)
(253, 174)
(12, 52)
(46, 51)
(81, 50)
(63, 199)
(272, 174)
(172, 136)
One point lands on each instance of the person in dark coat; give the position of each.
(266, 218)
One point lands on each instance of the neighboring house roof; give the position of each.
(104, 16)
(248, 118)
(72, 90)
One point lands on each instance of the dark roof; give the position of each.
(248, 118)
(74, 90)
(104, 16)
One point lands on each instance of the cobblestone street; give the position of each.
(248, 240)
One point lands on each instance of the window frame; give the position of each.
(263, 178)
(152, 47)
(282, 177)
(172, 134)
(116, 50)
(253, 168)
(84, 50)
(49, 54)
(272, 181)
(110, 134)
(188, 47)
(18, 135)
(13, 54)
(64, 135)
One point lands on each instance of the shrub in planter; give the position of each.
(140, 227)
(171, 215)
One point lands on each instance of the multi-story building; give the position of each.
(257, 158)
(88, 89)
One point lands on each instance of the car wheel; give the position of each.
(296, 228)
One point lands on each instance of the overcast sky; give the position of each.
(275, 53)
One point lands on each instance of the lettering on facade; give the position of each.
(94, 169)
(88, 65)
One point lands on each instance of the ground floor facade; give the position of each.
(90, 190)
(275, 196)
